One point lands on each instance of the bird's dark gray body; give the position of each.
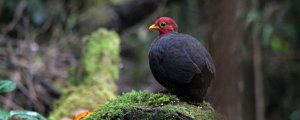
(181, 63)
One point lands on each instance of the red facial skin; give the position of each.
(169, 26)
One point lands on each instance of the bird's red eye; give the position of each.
(162, 24)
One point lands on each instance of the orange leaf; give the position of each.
(82, 115)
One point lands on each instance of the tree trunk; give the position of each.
(225, 91)
(258, 78)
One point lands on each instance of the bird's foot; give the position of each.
(164, 91)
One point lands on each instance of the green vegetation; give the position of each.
(101, 59)
(255, 46)
(7, 86)
(144, 105)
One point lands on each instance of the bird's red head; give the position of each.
(164, 25)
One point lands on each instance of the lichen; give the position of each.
(145, 105)
(100, 63)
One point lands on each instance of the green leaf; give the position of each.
(276, 44)
(7, 86)
(267, 31)
(252, 16)
(4, 114)
(38, 11)
(71, 21)
(27, 115)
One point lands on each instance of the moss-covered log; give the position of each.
(100, 61)
(151, 106)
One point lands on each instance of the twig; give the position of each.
(9, 104)
(17, 15)
(258, 77)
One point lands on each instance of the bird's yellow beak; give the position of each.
(153, 27)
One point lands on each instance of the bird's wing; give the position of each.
(187, 58)
(200, 56)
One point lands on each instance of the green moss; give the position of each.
(102, 52)
(100, 61)
(151, 106)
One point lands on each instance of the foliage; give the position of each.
(276, 25)
(266, 29)
(41, 44)
(20, 114)
(7, 86)
(151, 101)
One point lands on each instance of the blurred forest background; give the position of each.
(255, 45)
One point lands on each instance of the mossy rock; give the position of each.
(100, 63)
(151, 106)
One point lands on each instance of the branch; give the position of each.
(17, 15)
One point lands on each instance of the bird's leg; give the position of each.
(164, 91)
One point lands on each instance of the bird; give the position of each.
(179, 62)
